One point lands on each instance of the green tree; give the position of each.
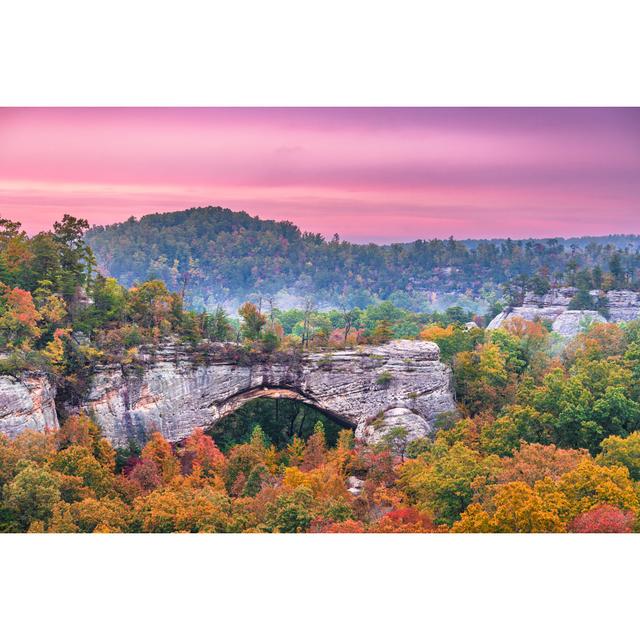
(216, 326)
(395, 440)
(76, 258)
(539, 284)
(291, 512)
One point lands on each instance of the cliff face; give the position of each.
(27, 402)
(623, 306)
(369, 389)
(372, 389)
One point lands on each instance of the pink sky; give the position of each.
(368, 174)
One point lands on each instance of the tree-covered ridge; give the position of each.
(217, 255)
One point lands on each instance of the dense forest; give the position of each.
(545, 438)
(216, 256)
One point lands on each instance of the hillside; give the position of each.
(222, 257)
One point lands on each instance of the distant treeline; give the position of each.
(215, 255)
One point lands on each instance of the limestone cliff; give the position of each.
(174, 391)
(622, 306)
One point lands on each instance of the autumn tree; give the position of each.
(452, 339)
(78, 461)
(252, 321)
(18, 317)
(516, 507)
(622, 452)
(603, 519)
(533, 462)
(405, 520)
(590, 484)
(201, 454)
(183, 506)
(442, 483)
(382, 332)
(107, 515)
(79, 429)
(294, 452)
(241, 461)
(146, 476)
(315, 449)
(159, 451)
(152, 306)
(32, 494)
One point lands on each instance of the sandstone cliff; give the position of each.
(554, 307)
(27, 402)
(172, 391)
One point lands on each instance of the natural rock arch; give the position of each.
(175, 390)
(175, 396)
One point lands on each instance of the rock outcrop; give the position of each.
(623, 305)
(174, 391)
(553, 307)
(27, 402)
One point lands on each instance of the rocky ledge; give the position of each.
(373, 389)
(622, 306)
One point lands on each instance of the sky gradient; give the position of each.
(372, 174)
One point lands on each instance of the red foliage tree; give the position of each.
(603, 518)
(405, 520)
(200, 452)
(146, 475)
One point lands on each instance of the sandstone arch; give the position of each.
(175, 391)
(175, 396)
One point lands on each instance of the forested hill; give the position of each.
(222, 256)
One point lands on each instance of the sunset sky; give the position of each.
(368, 174)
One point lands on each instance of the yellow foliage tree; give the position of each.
(159, 451)
(590, 484)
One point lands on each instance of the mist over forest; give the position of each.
(220, 257)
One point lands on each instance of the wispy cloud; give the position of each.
(368, 174)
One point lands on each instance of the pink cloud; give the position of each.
(368, 174)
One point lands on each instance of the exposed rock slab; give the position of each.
(27, 402)
(571, 323)
(623, 306)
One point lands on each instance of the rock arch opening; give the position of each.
(282, 413)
